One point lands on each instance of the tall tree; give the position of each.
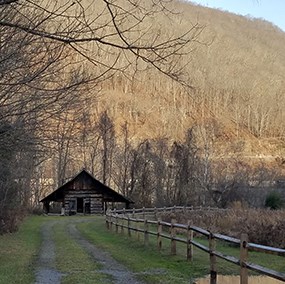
(106, 131)
(35, 84)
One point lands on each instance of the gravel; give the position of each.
(119, 273)
(46, 272)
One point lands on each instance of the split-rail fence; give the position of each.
(132, 220)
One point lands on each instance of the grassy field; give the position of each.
(150, 265)
(140, 259)
(18, 253)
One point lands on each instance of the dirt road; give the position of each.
(47, 272)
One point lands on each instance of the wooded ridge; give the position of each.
(164, 101)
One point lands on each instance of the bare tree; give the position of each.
(105, 128)
(122, 161)
(36, 83)
(114, 36)
(143, 174)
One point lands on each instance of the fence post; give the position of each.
(143, 211)
(134, 211)
(213, 260)
(138, 227)
(107, 220)
(173, 235)
(129, 227)
(117, 226)
(155, 213)
(122, 224)
(243, 259)
(146, 239)
(111, 222)
(159, 231)
(189, 242)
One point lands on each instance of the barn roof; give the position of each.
(108, 193)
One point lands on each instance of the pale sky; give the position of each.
(270, 10)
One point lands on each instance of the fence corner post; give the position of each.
(189, 242)
(122, 224)
(213, 260)
(134, 212)
(243, 259)
(146, 239)
(111, 222)
(137, 228)
(173, 235)
(129, 227)
(143, 212)
(107, 221)
(117, 225)
(159, 231)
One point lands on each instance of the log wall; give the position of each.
(95, 201)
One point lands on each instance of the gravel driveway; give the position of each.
(46, 272)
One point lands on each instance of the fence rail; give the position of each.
(153, 210)
(129, 220)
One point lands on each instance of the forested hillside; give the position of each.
(230, 109)
(236, 69)
(165, 101)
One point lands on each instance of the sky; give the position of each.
(270, 10)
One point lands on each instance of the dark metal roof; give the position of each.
(108, 193)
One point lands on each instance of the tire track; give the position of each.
(119, 273)
(46, 272)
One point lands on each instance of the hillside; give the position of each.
(232, 100)
(167, 102)
(237, 72)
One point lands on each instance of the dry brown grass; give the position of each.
(263, 226)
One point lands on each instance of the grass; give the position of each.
(150, 265)
(76, 265)
(139, 258)
(18, 252)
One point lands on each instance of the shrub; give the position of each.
(263, 226)
(274, 201)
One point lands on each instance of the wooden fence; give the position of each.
(129, 220)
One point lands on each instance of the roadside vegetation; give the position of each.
(150, 265)
(18, 252)
(162, 267)
(263, 226)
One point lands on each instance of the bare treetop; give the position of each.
(113, 35)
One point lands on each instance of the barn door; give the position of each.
(79, 205)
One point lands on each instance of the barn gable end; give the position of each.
(84, 194)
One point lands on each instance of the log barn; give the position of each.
(84, 194)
